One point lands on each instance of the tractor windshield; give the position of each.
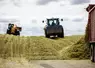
(53, 22)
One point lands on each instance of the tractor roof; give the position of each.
(52, 18)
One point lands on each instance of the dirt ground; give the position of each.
(23, 63)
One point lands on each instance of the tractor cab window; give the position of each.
(53, 22)
(50, 22)
(10, 26)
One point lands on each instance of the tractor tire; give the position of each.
(17, 33)
(92, 52)
(61, 35)
(46, 35)
(8, 31)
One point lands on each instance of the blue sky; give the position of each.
(29, 15)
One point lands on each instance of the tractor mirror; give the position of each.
(61, 19)
(43, 21)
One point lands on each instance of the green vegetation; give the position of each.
(39, 47)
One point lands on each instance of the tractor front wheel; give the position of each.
(8, 31)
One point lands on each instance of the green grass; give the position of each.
(39, 47)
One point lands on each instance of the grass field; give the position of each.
(39, 47)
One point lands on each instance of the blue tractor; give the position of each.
(53, 28)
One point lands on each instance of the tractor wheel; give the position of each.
(92, 52)
(17, 33)
(8, 31)
(61, 35)
(46, 35)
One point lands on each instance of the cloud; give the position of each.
(44, 2)
(2, 3)
(34, 31)
(8, 20)
(79, 1)
(78, 20)
(16, 2)
(65, 19)
(1, 0)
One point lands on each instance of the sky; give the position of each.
(29, 15)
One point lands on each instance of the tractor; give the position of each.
(13, 29)
(53, 28)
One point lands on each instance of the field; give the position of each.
(41, 48)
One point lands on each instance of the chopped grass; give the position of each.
(79, 50)
(39, 47)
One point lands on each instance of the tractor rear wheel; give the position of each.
(61, 35)
(17, 33)
(92, 52)
(46, 35)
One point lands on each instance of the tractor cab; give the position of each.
(53, 22)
